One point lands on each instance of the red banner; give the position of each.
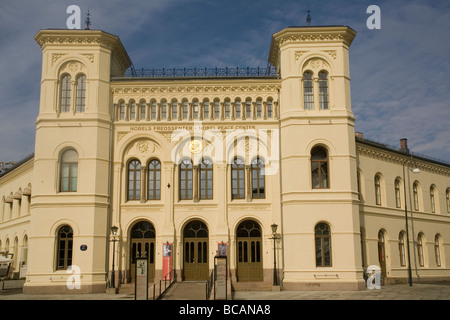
(167, 261)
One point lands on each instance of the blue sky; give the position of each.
(399, 74)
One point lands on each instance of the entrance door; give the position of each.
(249, 252)
(143, 246)
(382, 255)
(196, 265)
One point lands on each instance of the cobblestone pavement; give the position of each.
(419, 291)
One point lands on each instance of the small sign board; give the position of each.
(83, 247)
(221, 278)
(141, 279)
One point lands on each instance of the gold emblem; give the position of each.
(196, 146)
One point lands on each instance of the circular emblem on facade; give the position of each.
(74, 66)
(144, 146)
(83, 247)
(316, 63)
(196, 146)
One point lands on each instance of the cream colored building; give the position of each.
(200, 158)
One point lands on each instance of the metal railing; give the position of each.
(201, 72)
(163, 284)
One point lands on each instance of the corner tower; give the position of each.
(70, 205)
(318, 159)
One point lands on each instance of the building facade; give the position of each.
(203, 161)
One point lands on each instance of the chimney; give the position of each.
(404, 145)
(359, 135)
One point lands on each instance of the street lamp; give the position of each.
(114, 240)
(275, 276)
(415, 170)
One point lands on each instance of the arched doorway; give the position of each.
(249, 251)
(143, 246)
(195, 239)
(382, 255)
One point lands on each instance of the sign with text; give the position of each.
(220, 283)
(141, 285)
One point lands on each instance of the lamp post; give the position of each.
(114, 240)
(275, 276)
(406, 221)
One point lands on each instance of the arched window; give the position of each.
(323, 245)
(206, 179)
(216, 109)
(174, 109)
(237, 179)
(323, 90)
(377, 190)
(319, 168)
(437, 249)
(132, 110)
(185, 109)
(227, 109)
(153, 110)
(269, 108)
(447, 195)
(420, 249)
(164, 109)
(397, 193)
(248, 109)
(186, 171)
(416, 196)
(433, 199)
(258, 177)
(66, 89)
(237, 109)
(65, 246)
(401, 248)
(258, 108)
(134, 180)
(81, 93)
(69, 171)
(154, 180)
(308, 91)
(206, 109)
(195, 109)
(122, 110)
(143, 106)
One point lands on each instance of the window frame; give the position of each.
(154, 183)
(80, 100)
(323, 245)
(239, 168)
(71, 166)
(319, 167)
(65, 93)
(136, 183)
(184, 175)
(308, 95)
(64, 253)
(257, 168)
(206, 169)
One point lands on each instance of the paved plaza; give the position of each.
(419, 291)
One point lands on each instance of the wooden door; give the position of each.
(143, 248)
(196, 265)
(249, 259)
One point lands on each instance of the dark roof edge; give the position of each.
(416, 156)
(17, 165)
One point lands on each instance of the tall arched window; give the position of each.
(206, 109)
(401, 248)
(164, 109)
(122, 110)
(237, 179)
(447, 195)
(216, 109)
(185, 109)
(433, 199)
(81, 93)
(437, 249)
(269, 108)
(258, 108)
(258, 177)
(65, 93)
(323, 245)
(248, 109)
(308, 90)
(195, 109)
(143, 106)
(416, 196)
(420, 249)
(65, 246)
(206, 179)
(397, 193)
(186, 171)
(323, 90)
(154, 180)
(153, 110)
(237, 109)
(69, 171)
(377, 190)
(134, 180)
(132, 110)
(319, 168)
(174, 109)
(227, 109)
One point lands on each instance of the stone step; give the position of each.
(251, 286)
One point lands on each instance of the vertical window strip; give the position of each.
(66, 87)
(308, 91)
(174, 109)
(81, 94)
(323, 91)
(154, 180)
(238, 179)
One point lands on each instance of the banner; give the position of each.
(167, 261)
